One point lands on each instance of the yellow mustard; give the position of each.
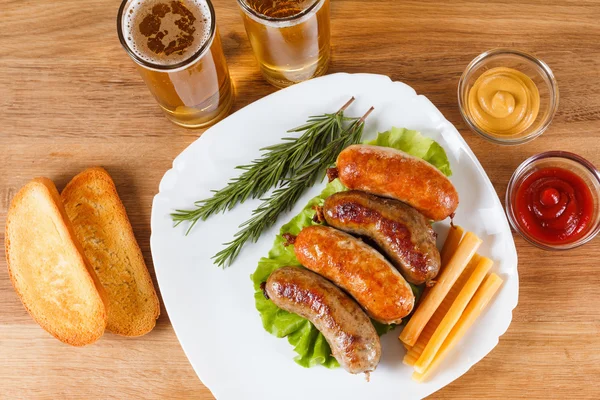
(504, 101)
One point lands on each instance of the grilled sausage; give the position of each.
(358, 269)
(346, 327)
(400, 231)
(392, 173)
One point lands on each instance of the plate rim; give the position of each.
(447, 125)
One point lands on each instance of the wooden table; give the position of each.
(71, 98)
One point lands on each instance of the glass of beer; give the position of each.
(290, 38)
(177, 49)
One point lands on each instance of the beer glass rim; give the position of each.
(161, 67)
(263, 17)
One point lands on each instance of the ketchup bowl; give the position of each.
(553, 200)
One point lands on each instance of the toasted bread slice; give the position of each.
(104, 231)
(48, 269)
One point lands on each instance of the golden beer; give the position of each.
(177, 48)
(290, 38)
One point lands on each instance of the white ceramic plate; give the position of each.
(212, 310)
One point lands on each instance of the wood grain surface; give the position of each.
(71, 98)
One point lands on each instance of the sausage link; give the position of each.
(358, 269)
(399, 230)
(345, 326)
(392, 173)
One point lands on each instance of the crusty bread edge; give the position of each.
(101, 173)
(58, 206)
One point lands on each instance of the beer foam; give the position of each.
(284, 23)
(168, 27)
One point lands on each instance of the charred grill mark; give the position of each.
(308, 298)
(397, 234)
(401, 242)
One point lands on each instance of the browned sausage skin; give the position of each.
(358, 269)
(392, 173)
(345, 326)
(399, 230)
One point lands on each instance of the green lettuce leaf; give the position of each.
(412, 142)
(308, 342)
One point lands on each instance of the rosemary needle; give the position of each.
(278, 162)
(284, 197)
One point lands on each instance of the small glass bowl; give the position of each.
(528, 64)
(553, 159)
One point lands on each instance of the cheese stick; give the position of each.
(481, 299)
(466, 249)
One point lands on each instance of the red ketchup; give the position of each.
(554, 206)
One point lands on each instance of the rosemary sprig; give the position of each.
(278, 162)
(284, 198)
